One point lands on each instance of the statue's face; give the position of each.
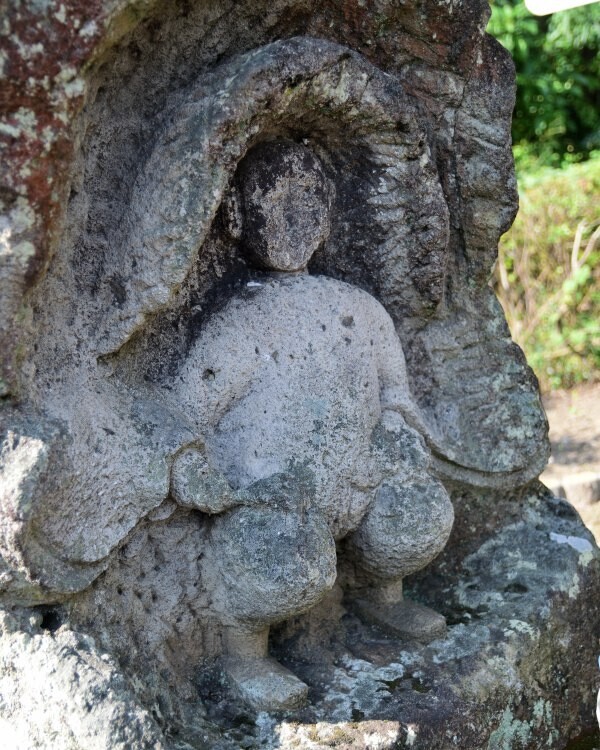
(285, 203)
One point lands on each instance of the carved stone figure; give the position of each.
(249, 352)
(299, 393)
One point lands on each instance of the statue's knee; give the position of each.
(272, 564)
(407, 525)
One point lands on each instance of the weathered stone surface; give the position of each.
(57, 689)
(123, 125)
(513, 671)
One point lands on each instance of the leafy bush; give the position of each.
(557, 113)
(548, 273)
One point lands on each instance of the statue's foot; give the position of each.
(264, 684)
(404, 619)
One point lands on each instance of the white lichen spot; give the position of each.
(22, 216)
(411, 734)
(574, 589)
(23, 251)
(10, 130)
(514, 432)
(19, 220)
(89, 29)
(410, 659)
(265, 723)
(5, 233)
(519, 626)
(3, 61)
(13, 252)
(382, 740)
(27, 121)
(27, 51)
(61, 14)
(23, 124)
(68, 73)
(48, 136)
(41, 82)
(511, 733)
(576, 542)
(74, 88)
(527, 565)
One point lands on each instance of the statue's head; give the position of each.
(279, 205)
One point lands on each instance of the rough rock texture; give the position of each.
(126, 291)
(122, 125)
(59, 690)
(517, 669)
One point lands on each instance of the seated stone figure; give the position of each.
(299, 394)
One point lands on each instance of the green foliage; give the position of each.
(557, 112)
(547, 276)
(548, 273)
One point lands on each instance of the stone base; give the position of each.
(517, 669)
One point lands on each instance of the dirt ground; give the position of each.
(574, 468)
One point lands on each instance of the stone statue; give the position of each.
(298, 391)
(248, 333)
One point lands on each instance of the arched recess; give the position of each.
(390, 218)
(390, 236)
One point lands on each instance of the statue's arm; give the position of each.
(395, 392)
(216, 373)
(196, 484)
(402, 440)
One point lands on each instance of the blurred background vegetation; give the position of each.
(548, 272)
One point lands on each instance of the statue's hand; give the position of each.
(397, 446)
(195, 484)
(398, 399)
(291, 490)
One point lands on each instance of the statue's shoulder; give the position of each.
(330, 286)
(264, 300)
(360, 299)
